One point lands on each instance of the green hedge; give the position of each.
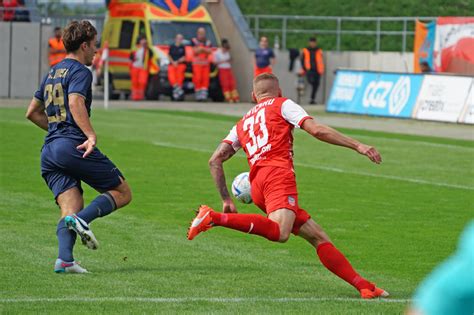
(351, 8)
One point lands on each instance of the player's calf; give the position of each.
(313, 233)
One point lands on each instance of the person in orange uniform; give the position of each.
(201, 64)
(57, 52)
(222, 59)
(313, 65)
(264, 58)
(139, 68)
(177, 67)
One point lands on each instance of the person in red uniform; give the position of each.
(201, 64)
(57, 51)
(265, 134)
(177, 67)
(139, 62)
(222, 59)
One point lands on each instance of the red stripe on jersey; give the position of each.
(303, 120)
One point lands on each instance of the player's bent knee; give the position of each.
(122, 194)
(126, 196)
(284, 237)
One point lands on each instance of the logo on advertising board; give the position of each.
(443, 98)
(346, 86)
(374, 93)
(399, 96)
(377, 92)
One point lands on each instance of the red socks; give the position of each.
(248, 223)
(335, 261)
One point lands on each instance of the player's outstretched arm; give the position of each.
(81, 117)
(329, 135)
(36, 114)
(223, 152)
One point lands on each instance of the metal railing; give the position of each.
(284, 26)
(257, 21)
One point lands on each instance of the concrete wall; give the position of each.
(242, 54)
(46, 32)
(5, 32)
(25, 61)
(23, 58)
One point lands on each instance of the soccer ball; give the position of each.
(241, 188)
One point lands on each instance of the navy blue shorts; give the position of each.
(63, 167)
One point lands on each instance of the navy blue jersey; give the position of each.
(263, 56)
(65, 78)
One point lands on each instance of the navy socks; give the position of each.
(66, 240)
(99, 207)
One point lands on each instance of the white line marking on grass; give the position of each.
(197, 299)
(425, 143)
(399, 178)
(337, 170)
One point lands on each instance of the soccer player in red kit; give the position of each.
(265, 133)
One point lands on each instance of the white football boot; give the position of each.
(73, 222)
(68, 267)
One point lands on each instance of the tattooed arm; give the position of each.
(223, 152)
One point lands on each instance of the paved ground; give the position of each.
(436, 129)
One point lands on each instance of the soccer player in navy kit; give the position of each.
(69, 155)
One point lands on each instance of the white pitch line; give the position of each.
(198, 299)
(337, 170)
(398, 178)
(425, 143)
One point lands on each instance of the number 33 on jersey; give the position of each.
(266, 132)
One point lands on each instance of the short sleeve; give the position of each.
(294, 113)
(233, 139)
(80, 82)
(39, 94)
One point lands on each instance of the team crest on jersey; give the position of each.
(291, 201)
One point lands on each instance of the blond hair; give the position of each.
(266, 84)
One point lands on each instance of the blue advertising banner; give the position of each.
(374, 93)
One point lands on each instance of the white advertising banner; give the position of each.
(442, 98)
(468, 112)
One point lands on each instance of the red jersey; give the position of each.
(266, 133)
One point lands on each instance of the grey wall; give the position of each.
(242, 55)
(23, 58)
(46, 32)
(5, 29)
(25, 61)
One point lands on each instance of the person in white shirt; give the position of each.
(222, 59)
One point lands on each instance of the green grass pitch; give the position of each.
(394, 222)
